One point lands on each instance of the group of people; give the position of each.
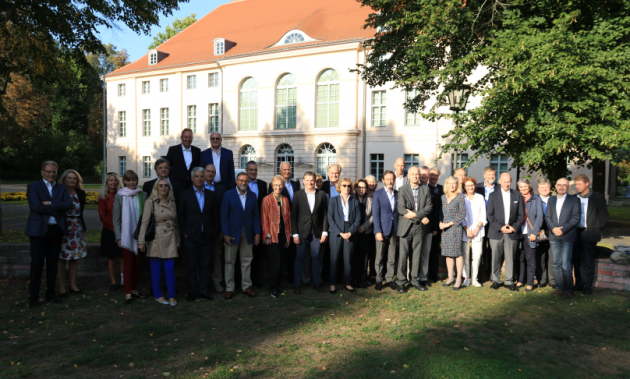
(337, 230)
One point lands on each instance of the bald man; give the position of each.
(505, 215)
(222, 159)
(563, 215)
(400, 174)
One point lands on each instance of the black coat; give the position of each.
(81, 196)
(496, 216)
(480, 188)
(177, 189)
(179, 172)
(436, 199)
(296, 187)
(191, 218)
(303, 220)
(262, 191)
(596, 217)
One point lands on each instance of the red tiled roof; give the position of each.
(256, 25)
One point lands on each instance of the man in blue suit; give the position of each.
(222, 159)
(385, 216)
(563, 216)
(46, 225)
(240, 224)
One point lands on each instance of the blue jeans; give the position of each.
(562, 253)
(169, 271)
(315, 259)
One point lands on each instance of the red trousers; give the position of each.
(131, 272)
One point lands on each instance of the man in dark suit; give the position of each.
(259, 188)
(505, 215)
(414, 208)
(330, 186)
(198, 217)
(436, 190)
(485, 189)
(562, 218)
(183, 158)
(309, 223)
(544, 258)
(162, 170)
(48, 202)
(594, 216)
(240, 224)
(290, 188)
(217, 246)
(222, 159)
(385, 217)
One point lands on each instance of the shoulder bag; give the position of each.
(542, 236)
(149, 235)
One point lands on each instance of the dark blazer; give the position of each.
(148, 187)
(406, 201)
(81, 196)
(60, 202)
(234, 218)
(228, 175)
(596, 217)
(179, 172)
(480, 188)
(336, 219)
(536, 218)
(569, 217)
(436, 199)
(382, 215)
(302, 220)
(191, 218)
(326, 187)
(296, 187)
(496, 215)
(262, 191)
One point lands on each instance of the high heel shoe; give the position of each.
(351, 290)
(73, 291)
(448, 284)
(333, 292)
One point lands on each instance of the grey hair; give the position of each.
(333, 165)
(310, 173)
(210, 164)
(196, 169)
(489, 168)
(46, 163)
(251, 163)
(160, 161)
(285, 162)
(241, 173)
(544, 181)
(371, 177)
(425, 168)
(436, 170)
(526, 181)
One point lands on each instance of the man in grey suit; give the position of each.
(414, 208)
(217, 247)
(505, 215)
(563, 216)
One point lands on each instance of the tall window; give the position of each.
(146, 87)
(500, 163)
(192, 118)
(146, 123)
(411, 160)
(163, 85)
(146, 167)
(213, 79)
(461, 160)
(213, 117)
(412, 118)
(285, 154)
(249, 105)
(122, 165)
(122, 90)
(191, 82)
(326, 155)
(377, 165)
(287, 102)
(328, 99)
(248, 153)
(122, 124)
(164, 122)
(379, 109)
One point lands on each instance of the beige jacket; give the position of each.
(166, 229)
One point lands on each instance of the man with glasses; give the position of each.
(385, 218)
(222, 159)
(183, 157)
(217, 247)
(259, 188)
(46, 225)
(485, 189)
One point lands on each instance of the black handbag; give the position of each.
(149, 235)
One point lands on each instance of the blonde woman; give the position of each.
(73, 245)
(109, 247)
(474, 230)
(163, 249)
(451, 218)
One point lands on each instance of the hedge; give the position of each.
(91, 197)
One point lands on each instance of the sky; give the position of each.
(138, 45)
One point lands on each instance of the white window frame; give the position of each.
(248, 113)
(146, 123)
(219, 47)
(248, 153)
(164, 121)
(122, 90)
(326, 155)
(146, 87)
(379, 160)
(122, 165)
(325, 107)
(213, 79)
(146, 167)
(379, 108)
(213, 117)
(153, 58)
(191, 117)
(163, 85)
(286, 102)
(191, 82)
(122, 124)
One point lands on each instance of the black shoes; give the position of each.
(401, 289)
(420, 287)
(138, 295)
(113, 288)
(513, 287)
(352, 290)
(448, 284)
(63, 294)
(53, 299)
(274, 294)
(190, 298)
(391, 285)
(495, 286)
(542, 285)
(73, 291)
(378, 286)
(297, 290)
(588, 291)
(333, 292)
(205, 296)
(129, 301)
(425, 283)
(32, 303)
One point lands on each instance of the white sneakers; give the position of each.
(162, 301)
(218, 287)
(476, 283)
(466, 282)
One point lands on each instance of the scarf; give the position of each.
(590, 192)
(131, 212)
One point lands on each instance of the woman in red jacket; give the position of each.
(276, 227)
(109, 247)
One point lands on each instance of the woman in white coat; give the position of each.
(474, 230)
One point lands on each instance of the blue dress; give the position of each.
(452, 236)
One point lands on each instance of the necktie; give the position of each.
(544, 208)
(415, 198)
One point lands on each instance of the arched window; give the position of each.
(248, 153)
(294, 37)
(249, 105)
(285, 154)
(328, 99)
(326, 155)
(286, 102)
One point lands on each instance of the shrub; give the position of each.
(91, 197)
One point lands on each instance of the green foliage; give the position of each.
(108, 61)
(170, 32)
(551, 77)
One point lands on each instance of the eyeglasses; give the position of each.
(361, 187)
(215, 139)
(345, 185)
(163, 186)
(50, 172)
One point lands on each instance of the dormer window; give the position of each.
(222, 46)
(156, 56)
(153, 58)
(293, 37)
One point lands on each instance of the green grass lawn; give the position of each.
(619, 213)
(441, 333)
(17, 236)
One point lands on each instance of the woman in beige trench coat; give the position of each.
(163, 249)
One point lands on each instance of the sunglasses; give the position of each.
(345, 185)
(215, 139)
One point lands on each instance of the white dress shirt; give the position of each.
(187, 156)
(310, 197)
(506, 204)
(400, 180)
(243, 197)
(346, 210)
(475, 213)
(51, 220)
(584, 204)
(559, 203)
(216, 160)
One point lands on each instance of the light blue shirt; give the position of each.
(242, 197)
(392, 198)
(51, 220)
(200, 199)
(253, 186)
(488, 191)
(289, 188)
(584, 205)
(210, 187)
(333, 191)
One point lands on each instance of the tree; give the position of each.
(169, 32)
(109, 61)
(552, 79)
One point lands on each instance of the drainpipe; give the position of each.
(104, 129)
(221, 68)
(364, 120)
